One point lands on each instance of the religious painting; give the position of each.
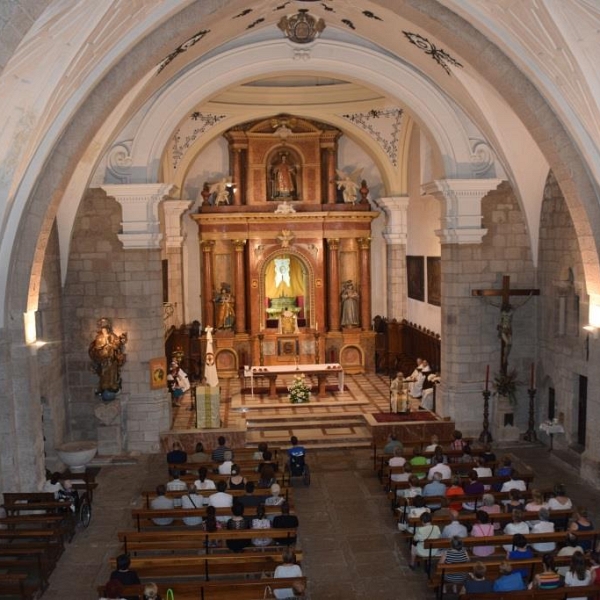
(158, 373)
(415, 275)
(288, 347)
(434, 279)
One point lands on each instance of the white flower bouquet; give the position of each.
(299, 390)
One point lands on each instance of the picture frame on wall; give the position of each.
(415, 277)
(434, 280)
(158, 373)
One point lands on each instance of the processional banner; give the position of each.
(208, 402)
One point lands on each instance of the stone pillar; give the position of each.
(237, 176)
(174, 238)
(333, 289)
(460, 235)
(331, 187)
(139, 202)
(240, 286)
(395, 235)
(208, 247)
(364, 246)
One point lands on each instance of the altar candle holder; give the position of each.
(485, 437)
(530, 434)
(317, 353)
(261, 353)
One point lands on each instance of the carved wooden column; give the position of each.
(364, 245)
(207, 282)
(333, 245)
(237, 179)
(240, 286)
(331, 194)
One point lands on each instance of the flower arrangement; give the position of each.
(506, 385)
(299, 390)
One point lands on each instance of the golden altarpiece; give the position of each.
(286, 264)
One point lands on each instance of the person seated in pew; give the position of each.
(418, 460)
(177, 456)
(515, 501)
(52, 485)
(250, 499)
(435, 488)
(488, 455)
(211, 524)
(397, 461)
(520, 551)
(113, 590)
(288, 568)
(435, 442)
(218, 454)
(482, 528)
(514, 483)
(176, 484)
(425, 531)
(505, 469)
(227, 464)
(517, 526)
(162, 502)
(438, 456)
(595, 567)
(392, 442)
(199, 455)
(189, 501)
(474, 487)
(580, 522)
(548, 579)
(559, 499)
(414, 511)
(151, 592)
(275, 499)
(455, 554)
(236, 523)
(482, 470)
(491, 507)
(454, 528)
(544, 525)
(286, 521)
(260, 521)
(536, 502)
(267, 470)
(414, 487)
(571, 546)
(508, 581)
(259, 454)
(476, 582)
(458, 443)
(124, 574)
(578, 574)
(202, 483)
(221, 499)
(439, 467)
(236, 481)
(454, 489)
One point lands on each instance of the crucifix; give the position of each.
(506, 314)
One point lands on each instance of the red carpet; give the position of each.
(419, 415)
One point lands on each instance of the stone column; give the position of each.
(237, 176)
(174, 238)
(208, 247)
(395, 235)
(364, 245)
(333, 288)
(461, 234)
(240, 286)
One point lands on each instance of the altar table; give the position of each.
(321, 371)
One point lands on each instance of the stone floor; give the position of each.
(351, 547)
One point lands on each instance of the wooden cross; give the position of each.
(506, 313)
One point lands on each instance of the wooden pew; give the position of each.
(240, 589)
(564, 593)
(14, 585)
(180, 542)
(207, 566)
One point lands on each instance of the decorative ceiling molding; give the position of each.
(383, 126)
(440, 56)
(196, 125)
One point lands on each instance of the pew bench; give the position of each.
(564, 593)
(15, 585)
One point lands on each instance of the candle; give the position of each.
(316, 326)
(487, 377)
(532, 377)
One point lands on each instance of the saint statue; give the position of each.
(108, 356)
(289, 322)
(350, 312)
(224, 304)
(349, 184)
(283, 179)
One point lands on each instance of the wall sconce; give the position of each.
(591, 331)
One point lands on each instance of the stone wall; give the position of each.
(469, 335)
(104, 280)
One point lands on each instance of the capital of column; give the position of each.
(333, 243)
(364, 243)
(173, 210)
(461, 208)
(239, 245)
(396, 211)
(207, 245)
(139, 202)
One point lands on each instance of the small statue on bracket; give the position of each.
(108, 356)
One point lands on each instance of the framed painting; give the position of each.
(434, 279)
(415, 276)
(158, 373)
(288, 347)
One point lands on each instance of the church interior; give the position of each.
(299, 184)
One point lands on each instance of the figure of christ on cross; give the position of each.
(506, 314)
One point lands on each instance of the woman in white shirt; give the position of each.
(289, 568)
(517, 526)
(578, 575)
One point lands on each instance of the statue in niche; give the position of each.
(224, 303)
(350, 308)
(220, 191)
(349, 184)
(108, 356)
(289, 322)
(283, 179)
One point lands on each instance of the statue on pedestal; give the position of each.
(224, 304)
(108, 356)
(350, 308)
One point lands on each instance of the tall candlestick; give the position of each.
(532, 377)
(487, 377)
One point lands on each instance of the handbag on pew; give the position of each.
(170, 595)
(268, 593)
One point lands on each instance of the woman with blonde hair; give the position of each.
(151, 592)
